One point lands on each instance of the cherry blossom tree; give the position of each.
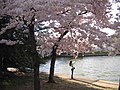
(84, 21)
(21, 18)
(50, 19)
(113, 26)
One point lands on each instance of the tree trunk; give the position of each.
(52, 65)
(0, 65)
(36, 74)
(34, 55)
(4, 65)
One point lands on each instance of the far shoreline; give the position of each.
(88, 55)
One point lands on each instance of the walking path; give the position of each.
(98, 83)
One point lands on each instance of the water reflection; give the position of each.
(100, 67)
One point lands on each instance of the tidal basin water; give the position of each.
(99, 67)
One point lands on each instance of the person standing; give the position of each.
(72, 69)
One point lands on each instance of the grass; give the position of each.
(25, 82)
(14, 82)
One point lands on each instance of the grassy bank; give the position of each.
(25, 82)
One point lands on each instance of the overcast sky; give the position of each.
(114, 10)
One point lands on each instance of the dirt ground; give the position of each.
(25, 82)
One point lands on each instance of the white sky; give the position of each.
(108, 31)
(114, 11)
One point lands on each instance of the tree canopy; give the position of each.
(46, 21)
(58, 16)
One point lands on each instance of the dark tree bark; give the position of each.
(0, 65)
(34, 54)
(4, 55)
(4, 65)
(54, 55)
(36, 74)
(52, 65)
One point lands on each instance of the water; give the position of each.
(100, 67)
